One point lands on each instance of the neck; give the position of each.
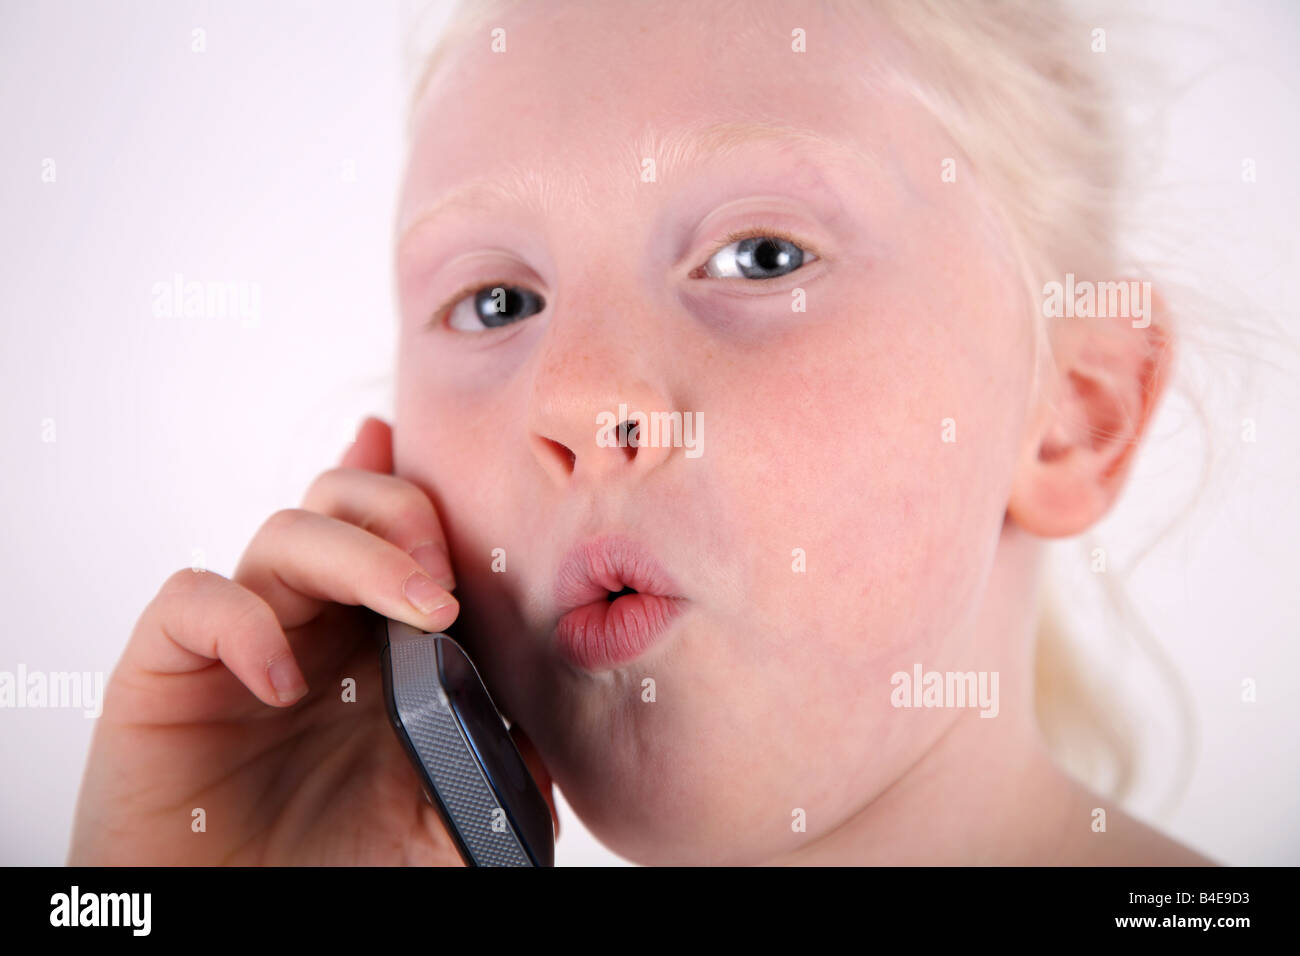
(986, 792)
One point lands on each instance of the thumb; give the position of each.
(538, 769)
(372, 449)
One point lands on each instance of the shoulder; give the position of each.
(1120, 839)
(1130, 842)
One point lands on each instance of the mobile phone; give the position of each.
(468, 765)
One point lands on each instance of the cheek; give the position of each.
(880, 458)
(445, 441)
(864, 525)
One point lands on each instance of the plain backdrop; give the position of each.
(272, 159)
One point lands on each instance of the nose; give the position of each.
(595, 410)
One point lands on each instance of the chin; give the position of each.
(667, 817)
(671, 844)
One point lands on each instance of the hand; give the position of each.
(228, 697)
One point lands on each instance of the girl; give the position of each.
(815, 237)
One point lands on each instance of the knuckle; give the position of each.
(320, 488)
(413, 509)
(186, 596)
(185, 582)
(410, 497)
(405, 512)
(246, 611)
(284, 520)
(421, 523)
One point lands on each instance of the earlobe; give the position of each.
(1107, 379)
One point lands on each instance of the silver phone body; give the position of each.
(469, 766)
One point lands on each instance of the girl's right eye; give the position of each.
(490, 307)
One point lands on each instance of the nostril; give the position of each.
(629, 434)
(559, 451)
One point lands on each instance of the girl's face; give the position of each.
(826, 530)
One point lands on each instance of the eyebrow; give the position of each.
(544, 191)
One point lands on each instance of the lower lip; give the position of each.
(604, 634)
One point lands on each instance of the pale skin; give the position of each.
(823, 433)
(313, 781)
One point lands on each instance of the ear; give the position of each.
(1107, 377)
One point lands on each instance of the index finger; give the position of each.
(389, 507)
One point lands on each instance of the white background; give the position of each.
(176, 435)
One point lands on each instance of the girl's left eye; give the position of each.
(756, 256)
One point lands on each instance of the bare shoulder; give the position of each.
(1130, 842)
(1127, 841)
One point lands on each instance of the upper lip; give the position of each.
(600, 566)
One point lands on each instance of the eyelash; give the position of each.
(441, 313)
(765, 232)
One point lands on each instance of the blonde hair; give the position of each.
(1022, 90)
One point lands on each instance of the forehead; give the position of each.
(585, 95)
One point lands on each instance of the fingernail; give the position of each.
(287, 680)
(434, 560)
(425, 595)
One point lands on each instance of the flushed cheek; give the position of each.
(448, 447)
(855, 508)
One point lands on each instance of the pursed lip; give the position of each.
(592, 631)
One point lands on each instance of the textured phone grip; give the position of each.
(448, 756)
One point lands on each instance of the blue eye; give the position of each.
(493, 306)
(757, 256)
